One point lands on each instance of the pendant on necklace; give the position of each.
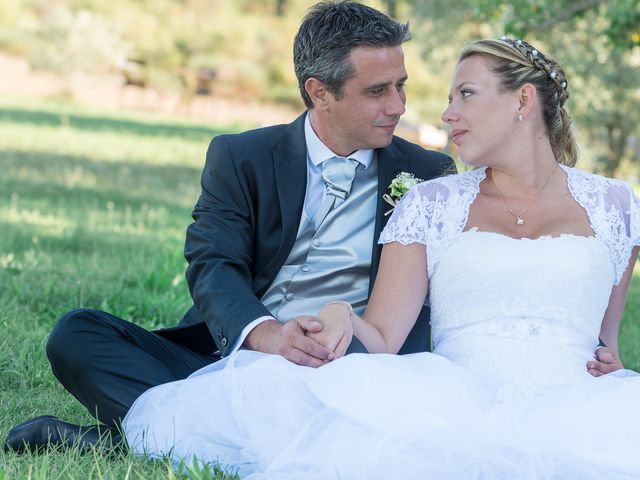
(519, 220)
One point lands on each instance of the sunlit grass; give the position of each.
(93, 212)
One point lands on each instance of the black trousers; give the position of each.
(107, 362)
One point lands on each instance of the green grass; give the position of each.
(93, 212)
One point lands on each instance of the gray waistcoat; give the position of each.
(334, 262)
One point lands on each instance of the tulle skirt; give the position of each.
(387, 416)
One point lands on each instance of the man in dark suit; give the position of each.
(287, 220)
(276, 234)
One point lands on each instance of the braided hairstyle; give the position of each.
(516, 62)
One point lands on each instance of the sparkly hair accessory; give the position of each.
(538, 59)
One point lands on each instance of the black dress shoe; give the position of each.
(41, 433)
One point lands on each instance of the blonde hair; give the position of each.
(516, 62)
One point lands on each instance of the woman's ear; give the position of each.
(317, 91)
(526, 99)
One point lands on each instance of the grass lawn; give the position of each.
(93, 212)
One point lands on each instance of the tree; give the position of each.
(74, 41)
(522, 17)
(606, 100)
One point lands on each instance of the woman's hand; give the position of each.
(337, 329)
(607, 361)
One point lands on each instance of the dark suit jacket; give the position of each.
(246, 220)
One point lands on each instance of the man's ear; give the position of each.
(318, 92)
(527, 99)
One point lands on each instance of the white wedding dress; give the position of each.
(504, 395)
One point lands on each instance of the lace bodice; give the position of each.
(523, 314)
(434, 213)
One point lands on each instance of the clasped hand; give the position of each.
(306, 340)
(607, 361)
(337, 329)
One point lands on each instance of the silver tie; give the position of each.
(338, 174)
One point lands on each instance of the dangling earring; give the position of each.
(520, 116)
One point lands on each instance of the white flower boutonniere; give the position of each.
(398, 187)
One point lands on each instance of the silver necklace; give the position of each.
(518, 215)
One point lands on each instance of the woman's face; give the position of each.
(482, 118)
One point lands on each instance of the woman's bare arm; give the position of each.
(611, 321)
(397, 297)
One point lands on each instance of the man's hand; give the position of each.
(289, 340)
(607, 361)
(337, 330)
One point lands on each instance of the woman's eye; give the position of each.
(465, 93)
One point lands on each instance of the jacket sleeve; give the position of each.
(219, 248)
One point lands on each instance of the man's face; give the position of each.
(371, 104)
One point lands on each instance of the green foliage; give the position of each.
(72, 41)
(624, 23)
(245, 46)
(605, 98)
(243, 43)
(521, 18)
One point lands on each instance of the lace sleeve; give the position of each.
(623, 209)
(621, 196)
(433, 213)
(634, 220)
(409, 221)
(614, 214)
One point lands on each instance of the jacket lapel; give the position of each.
(290, 171)
(390, 163)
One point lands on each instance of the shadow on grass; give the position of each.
(113, 124)
(45, 179)
(81, 240)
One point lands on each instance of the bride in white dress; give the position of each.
(527, 262)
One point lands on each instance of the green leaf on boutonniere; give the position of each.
(398, 187)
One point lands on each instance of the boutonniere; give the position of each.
(398, 187)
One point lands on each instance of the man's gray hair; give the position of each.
(328, 33)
